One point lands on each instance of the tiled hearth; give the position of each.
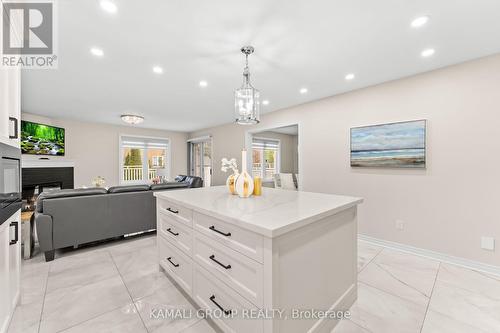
(112, 287)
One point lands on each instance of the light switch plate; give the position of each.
(488, 243)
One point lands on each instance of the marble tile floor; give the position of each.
(400, 292)
(104, 288)
(112, 287)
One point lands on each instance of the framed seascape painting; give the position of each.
(395, 145)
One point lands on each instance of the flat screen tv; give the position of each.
(40, 139)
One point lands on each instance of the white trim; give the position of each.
(467, 263)
(343, 302)
(32, 163)
(266, 138)
(200, 138)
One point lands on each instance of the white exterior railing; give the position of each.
(269, 171)
(151, 173)
(135, 173)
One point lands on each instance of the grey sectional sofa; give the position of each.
(73, 217)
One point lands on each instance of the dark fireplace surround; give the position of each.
(35, 180)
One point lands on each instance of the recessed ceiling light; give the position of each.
(428, 52)
(109, 6)
(303, 90)
(265, 102)
(350, 76)
(97, 52)
(203, 83)
(158, 70)
(420, 21)
(132, 119)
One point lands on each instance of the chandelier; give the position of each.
(246, 98)
(132, 119)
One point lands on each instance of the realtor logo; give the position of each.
(28, 30)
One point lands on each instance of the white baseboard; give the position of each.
(342, 304)
(475, 265)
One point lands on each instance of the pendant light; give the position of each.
(246, 98)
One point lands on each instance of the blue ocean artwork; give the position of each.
(396, 145)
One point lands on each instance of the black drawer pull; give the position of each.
(217, 261)
(220, 232)
(16, 230)
(173, 233)
(227, 312)
(172, 211)
(173, 264)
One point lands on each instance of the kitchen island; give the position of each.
(262, 263)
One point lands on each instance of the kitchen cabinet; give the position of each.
(283, 250)
(10, 106)
(10, 268)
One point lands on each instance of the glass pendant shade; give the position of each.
(247, 105)
(247, 98)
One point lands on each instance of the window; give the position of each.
(143, 159)
(265, 158)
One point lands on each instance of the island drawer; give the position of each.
(243, 274)
(239, 239)
(211, 294)
(176, 264)
(179, 212)
(176, 232)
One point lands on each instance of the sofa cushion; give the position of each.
(168, 186)
(78, 192)
(194, 181)
(128, 188)
(180, 178)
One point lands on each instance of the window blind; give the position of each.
(142, 143)
(262, 143)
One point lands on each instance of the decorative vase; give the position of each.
(231, 183)
(257, 186)
(244, 183)
(98, 181)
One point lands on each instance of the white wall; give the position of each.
(448, 206)
(94, 148)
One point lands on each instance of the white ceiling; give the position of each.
(312, 44)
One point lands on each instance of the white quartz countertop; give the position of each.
(274, 213)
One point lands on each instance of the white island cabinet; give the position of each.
(243, 259)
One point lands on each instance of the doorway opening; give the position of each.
(200, 159)
(275, 156)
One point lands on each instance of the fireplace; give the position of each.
(39, 179)
(30, 194)
(38, 176)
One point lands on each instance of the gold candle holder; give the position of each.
(257, 186)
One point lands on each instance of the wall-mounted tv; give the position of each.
(40, 139)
